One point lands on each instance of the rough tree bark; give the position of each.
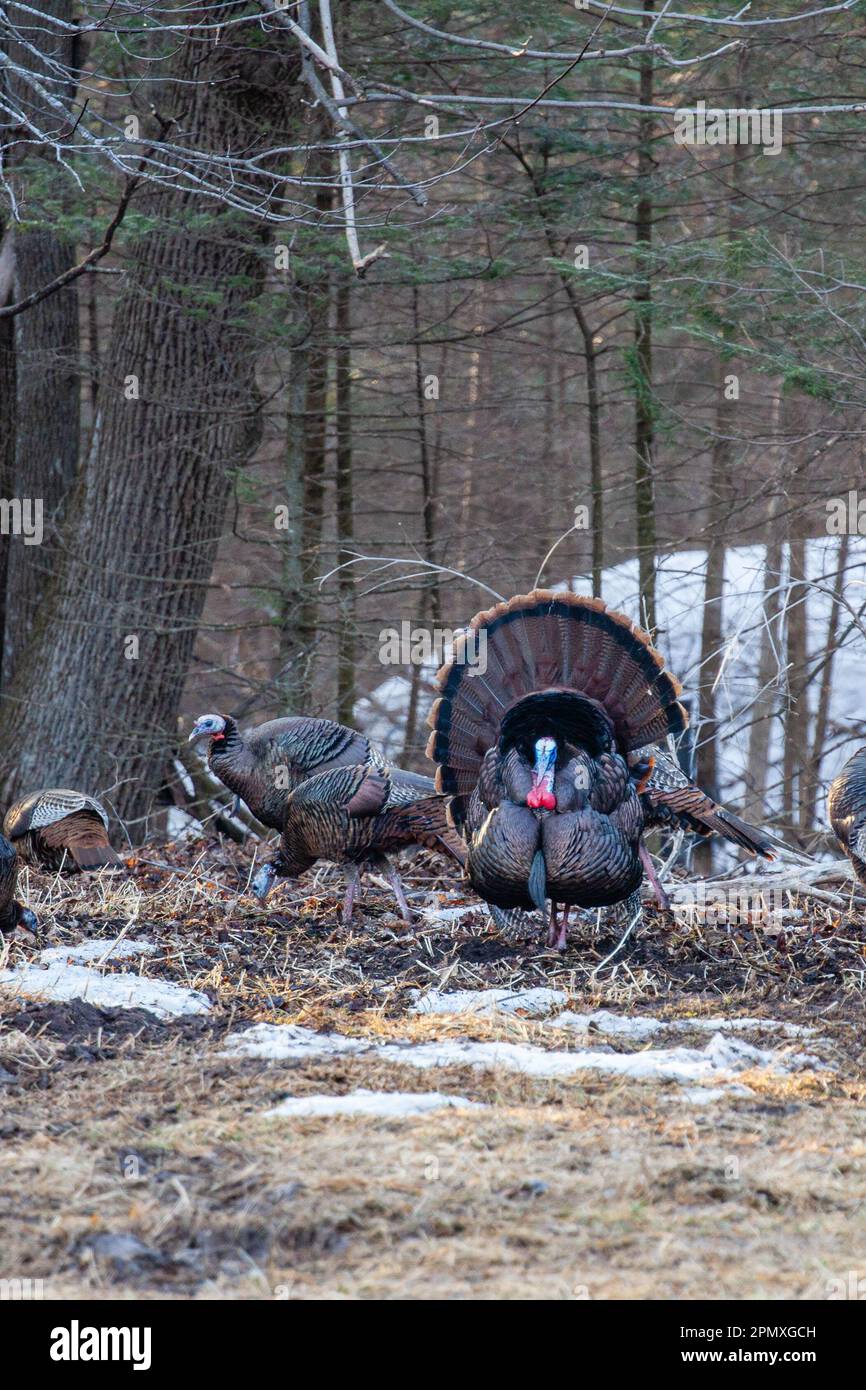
(41, 428)
(316, 372)
(45, 455)
(94, 699)
(346, 635)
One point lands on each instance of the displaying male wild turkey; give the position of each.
(263, 765)
(12, 913)
(846, 807)
(548, 755)
(60, 828)
(353, 816)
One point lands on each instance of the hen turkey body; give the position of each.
(61, 828)
(331, 793)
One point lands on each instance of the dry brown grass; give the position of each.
(592, 1187)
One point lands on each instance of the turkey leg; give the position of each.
(352, 876)
(397, 888)
(662, 898)
(557, 932)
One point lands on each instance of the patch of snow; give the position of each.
(533, 1002)
(721, 1056)
(52, 977)
(97, 950)
(280, 1043)
(705, 1095)
(451, 914)
(180, 825)
(387, 1104)
(642, 1026)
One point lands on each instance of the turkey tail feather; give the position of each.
(729, 825)
(95, 856)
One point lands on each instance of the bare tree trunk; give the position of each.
(314, 439)
(48, 423)
(644, 438)
(346, 687)
(8, 425)
(95, 697)
(590, 353)
(712, 628)
(718, 519)
(43, 459)
(428, 497)
(466, 497)
(429, 602)
(812, 765)
(796, 708)
(766, 705)
(290, 657)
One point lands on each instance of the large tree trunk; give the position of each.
(45, 456)
(304, 633)
(7, 446)
(41, 370)
(95, 697)
(346, 636)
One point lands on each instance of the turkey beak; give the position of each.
(196, 733)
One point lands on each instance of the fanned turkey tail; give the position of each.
(548, 663)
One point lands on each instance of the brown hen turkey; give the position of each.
(263, 765)
(354, 816)
(549, 756)
(59, 828)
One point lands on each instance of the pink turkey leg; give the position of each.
(397, 887)
(662, 898)
(562, 939)
(557, 932)
(552, 928)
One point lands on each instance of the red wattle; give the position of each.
(539, 798)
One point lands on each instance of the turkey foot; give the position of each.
(662, 898)
(557, 932)
(397, 889)
(264, 879)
